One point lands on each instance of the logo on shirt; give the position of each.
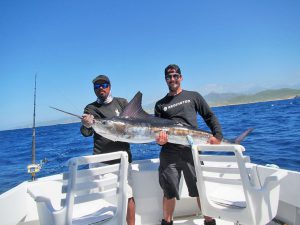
(117, 112)
(176, 104)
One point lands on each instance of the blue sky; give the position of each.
(221, 46)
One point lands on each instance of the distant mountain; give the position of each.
(63, 120)
(267, 95)
(149, 108)
(213, 99)
(216, 98)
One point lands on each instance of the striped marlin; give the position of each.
(134, 125)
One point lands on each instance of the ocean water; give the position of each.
(275, 140)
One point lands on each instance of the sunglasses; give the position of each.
(176, 76)
(103, 86)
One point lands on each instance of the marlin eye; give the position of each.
(104, 122)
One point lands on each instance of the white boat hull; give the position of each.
(17, 206)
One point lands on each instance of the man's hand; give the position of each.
(213, 140)
(87, 120)
(162, 138)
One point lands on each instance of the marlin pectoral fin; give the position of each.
(134, 108)
(240, 138)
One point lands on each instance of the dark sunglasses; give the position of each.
(176, 76)
(104, 86)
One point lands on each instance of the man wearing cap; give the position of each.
(181, 106)
(107, 106)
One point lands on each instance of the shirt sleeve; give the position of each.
(209, 117)
(157, 110)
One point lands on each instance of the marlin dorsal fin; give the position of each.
(134, 108)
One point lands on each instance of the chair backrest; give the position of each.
(228, 186)
(85, 182)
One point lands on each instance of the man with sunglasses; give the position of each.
(107, 106)
(181, 106)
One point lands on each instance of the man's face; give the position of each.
(102, 89)
(173, 80)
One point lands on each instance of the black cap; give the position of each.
(172, 66)
(102, 78)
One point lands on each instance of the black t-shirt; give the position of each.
(183, 108)
(102, 144)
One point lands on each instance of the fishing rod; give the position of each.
(34, 168)
(33, 127)
(80, 117)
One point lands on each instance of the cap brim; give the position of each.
(104, 80)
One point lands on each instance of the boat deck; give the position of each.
(199, 220)
(148, 198)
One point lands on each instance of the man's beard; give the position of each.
(173, 87)
(104, 99)
(103, 96)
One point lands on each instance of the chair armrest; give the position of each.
(47, 214)
(274, 179)
(46, 201)
(41, 199)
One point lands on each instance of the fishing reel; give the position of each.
(35, 168)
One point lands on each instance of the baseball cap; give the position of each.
(102, 78)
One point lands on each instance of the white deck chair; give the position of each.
(86, 189)
(229, 190)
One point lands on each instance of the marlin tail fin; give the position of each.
(240, 138)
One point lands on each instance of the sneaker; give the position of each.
(163, 222)
(211, 222)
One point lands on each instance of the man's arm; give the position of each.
(162, 137)
(86, 123)
(210, 119)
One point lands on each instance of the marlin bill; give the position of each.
(134, 125)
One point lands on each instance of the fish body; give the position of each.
(134, 125)
(145, 131)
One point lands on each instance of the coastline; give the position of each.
(70, 120)
(45, 124)
(245, 103)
